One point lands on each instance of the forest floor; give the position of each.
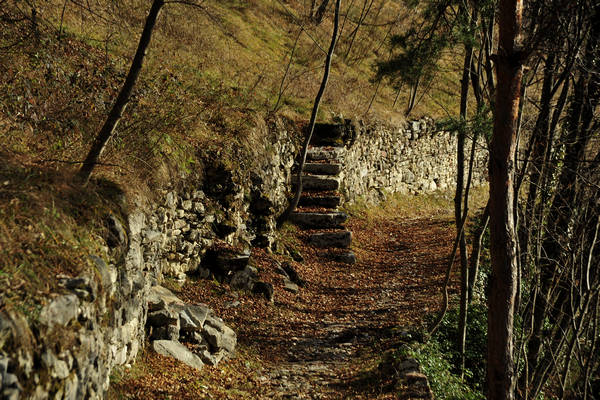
(326, 341)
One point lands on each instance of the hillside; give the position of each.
(210, 75)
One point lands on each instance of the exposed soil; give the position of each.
(325, 341)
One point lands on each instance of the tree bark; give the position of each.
(84, 173)
(313, 117)
(503, 280)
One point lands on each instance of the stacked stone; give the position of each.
(171, 321)
(318, 206)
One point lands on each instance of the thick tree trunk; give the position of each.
(83, 176)
(503, 282)
(313, 117)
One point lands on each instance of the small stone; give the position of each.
(290, 286)
(232, 304)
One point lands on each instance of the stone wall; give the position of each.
(413, 158)
(97, 320)
(94, 322)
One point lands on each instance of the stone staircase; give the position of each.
(318, 207)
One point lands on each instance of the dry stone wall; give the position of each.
(98, 320)
(414, 157)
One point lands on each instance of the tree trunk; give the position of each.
(311, 126)
(458, 200)
(503, 280)
(83, 175)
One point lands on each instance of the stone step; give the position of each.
(322, 168)
(314, 220)
(320, 201)
(324, 153)
(328, 135)
(319, 183)
(331, 239)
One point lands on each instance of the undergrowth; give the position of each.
(440, 359)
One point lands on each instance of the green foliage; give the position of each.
(481, 124)
(475, 349)
(445, 384)
(440, 359)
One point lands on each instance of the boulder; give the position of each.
(346, 258)
(192, 317)
(171, 348)
(159, 297)
(219, 335)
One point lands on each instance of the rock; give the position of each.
(171, 348)
(331, 239)
(293, 275)
(211, 358)
(186, 205)
(10, 388)
(219, 335)
(11, 394)
(60, 311)
(243, 280)
(108, 276)
(159, 297)
(171, 200)
(263, 288)
(192, 317)
(346, 258)
(117, 236)
(319, 220)
(59, 368)
(290, 286)
(163, 317)
(225, 262)
(408, 365)
(408, 176)
(80, 286)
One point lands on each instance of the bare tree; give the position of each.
(101, 140)
(503, 285)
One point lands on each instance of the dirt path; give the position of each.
(318, 343)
